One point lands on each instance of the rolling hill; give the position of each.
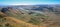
(30, 16)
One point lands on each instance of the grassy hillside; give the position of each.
(6, 21)
(20, 18)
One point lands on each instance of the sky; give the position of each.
(28, 2)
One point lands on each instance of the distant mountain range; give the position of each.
(40, 8)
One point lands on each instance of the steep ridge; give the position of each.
(26, 19)
(19, 14)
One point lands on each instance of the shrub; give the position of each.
(34, 21)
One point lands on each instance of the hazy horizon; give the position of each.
(28, 2)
